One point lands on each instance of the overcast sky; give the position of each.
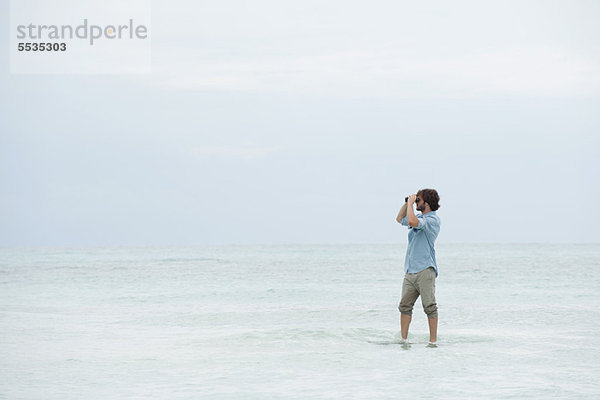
(309, 122)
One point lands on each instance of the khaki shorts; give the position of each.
(415, 285)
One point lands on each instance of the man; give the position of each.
(420, 266)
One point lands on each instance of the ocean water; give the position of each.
(309, 322)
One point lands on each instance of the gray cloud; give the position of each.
(310, 122)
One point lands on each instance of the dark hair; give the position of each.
(431, 197)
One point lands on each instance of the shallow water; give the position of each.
(256, 322)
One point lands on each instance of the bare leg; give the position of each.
(433, 323)
(404, 323)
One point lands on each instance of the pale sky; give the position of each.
(309, 122)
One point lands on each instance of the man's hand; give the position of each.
(410, 214)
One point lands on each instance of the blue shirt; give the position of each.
(420, 253)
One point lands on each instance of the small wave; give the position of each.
(358, 335)
(294, 334)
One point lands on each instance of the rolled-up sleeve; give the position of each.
(423, 222)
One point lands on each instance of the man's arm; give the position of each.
(412, 218)
(401, 213)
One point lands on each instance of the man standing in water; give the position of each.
(420, 266)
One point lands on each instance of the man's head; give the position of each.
(428, 197)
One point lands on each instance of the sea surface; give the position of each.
(309, 322)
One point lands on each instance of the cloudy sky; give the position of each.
(309, 122)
